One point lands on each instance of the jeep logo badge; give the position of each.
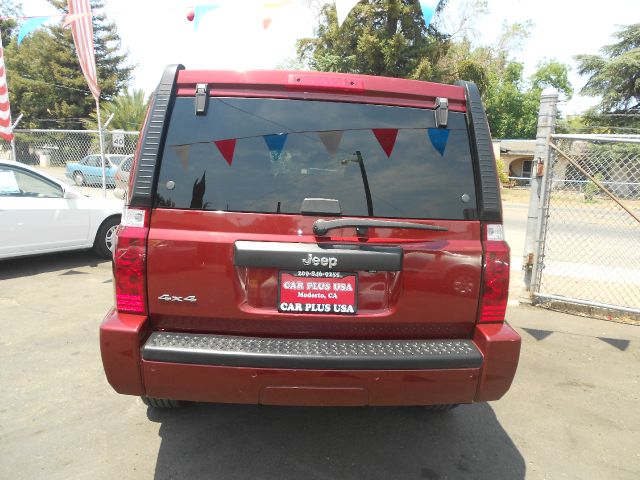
(320, 261)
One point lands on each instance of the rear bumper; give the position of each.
(214, 368)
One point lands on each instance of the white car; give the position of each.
(40, 214)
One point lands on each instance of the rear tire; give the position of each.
(78, 178)
(106, 237)
(441, 408)
(164, 403)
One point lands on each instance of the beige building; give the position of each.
(516, 156)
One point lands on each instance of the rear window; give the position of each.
(268, 155)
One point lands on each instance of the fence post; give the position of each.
(14, 156)
(546, 126)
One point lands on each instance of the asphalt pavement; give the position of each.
(571, 413)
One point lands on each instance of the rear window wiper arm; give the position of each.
(321, 227)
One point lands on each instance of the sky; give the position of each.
(156, 33)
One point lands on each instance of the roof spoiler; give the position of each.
(489, 202)
(152, 138)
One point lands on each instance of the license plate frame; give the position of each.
(320, 304)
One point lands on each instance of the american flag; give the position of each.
(5, 108)
(82, 30)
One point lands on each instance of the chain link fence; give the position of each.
(590, 236)
(73, 155)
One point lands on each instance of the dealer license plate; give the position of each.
(318, 292)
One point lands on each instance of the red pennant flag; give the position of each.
(226, 147)
(386, 138)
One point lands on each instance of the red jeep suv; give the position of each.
(305, 238)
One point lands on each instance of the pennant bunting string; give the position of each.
(439, 138)
(331, 140)
(269, 8)
(386, 138)
(275, 143)
(183, 152)
(343, 8)
(428, 8)
(199, 12)
(226, 148)
(29, 26)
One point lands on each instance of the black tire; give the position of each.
(160, 402)
(78, 178)
(441, 408)
(105, 238)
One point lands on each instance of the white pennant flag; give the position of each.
(343, 7)
(331, 140)
(182, 152)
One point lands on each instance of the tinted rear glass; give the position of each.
(288, 150)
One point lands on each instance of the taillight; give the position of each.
(130, 261)
(495, 275)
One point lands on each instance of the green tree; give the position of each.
(512, 103)
(44, 76)
(128, 111)
(614, 76)
(482, 64)
(389, 37)
(380, 37)
(552, 74)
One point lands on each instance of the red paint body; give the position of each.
(436, 295)
(191, 253)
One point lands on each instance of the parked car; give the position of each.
(122, 178)
(335, 240)
(39, 214)
(88, 171)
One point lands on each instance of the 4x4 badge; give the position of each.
(174, 298)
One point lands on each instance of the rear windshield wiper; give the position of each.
(320, 227)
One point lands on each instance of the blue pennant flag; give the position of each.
(275, 143)
(199, 12)
(29, 26)
(439, 138)
(428, 8)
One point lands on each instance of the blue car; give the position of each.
(88, 171)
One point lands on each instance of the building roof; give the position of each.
(517, 146)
